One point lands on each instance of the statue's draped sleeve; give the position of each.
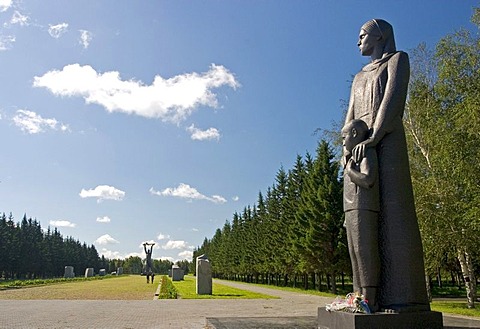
(392, 105)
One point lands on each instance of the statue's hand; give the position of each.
(360, 149)
(349, 166)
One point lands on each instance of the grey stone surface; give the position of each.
(120, 271)
(177, 273)
(69, 272)
(102, 272)
(168, 314)
(297, 322)
(89, 272)
(378, 97)
(204, 276)
(379, 320)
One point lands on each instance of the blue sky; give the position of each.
(130, 121)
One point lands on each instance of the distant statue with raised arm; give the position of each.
(378, 98)
(148, 261)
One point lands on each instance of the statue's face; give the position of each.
(348, 139)
(367, 42)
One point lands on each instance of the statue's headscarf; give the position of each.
(383, 29)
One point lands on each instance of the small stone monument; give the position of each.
(102, 272)
(69, 273)
(120, 271)
(204, 276)
(89, 272)
(177, 273)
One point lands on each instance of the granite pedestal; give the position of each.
(379, 320)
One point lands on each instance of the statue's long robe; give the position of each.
(378, 97)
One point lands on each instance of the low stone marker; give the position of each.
(120, 271)
(177, 273)
(102, 272)
(89, 272)
(204, 276)
(69, 273)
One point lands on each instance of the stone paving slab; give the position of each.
(175, 314)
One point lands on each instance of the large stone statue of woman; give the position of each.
(378, 98)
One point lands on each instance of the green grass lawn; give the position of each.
(455, 307)
(125, 287)
(187, 290)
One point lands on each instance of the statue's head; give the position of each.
(353, 133)
(380, 34)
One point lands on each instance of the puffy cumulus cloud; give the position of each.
(33, 123)
(171, 259)
(85, 38)
(163, 236)
(175, 244)
(6, 42)
(185, 191)
(62, 223)
(104, 219)
(171, 99)
(5, 4)
(110, 254)
(186, 254)
(56, 31)
(236, 198)
(103, 192)
(106, 239)
(18, 19)
(201, 135)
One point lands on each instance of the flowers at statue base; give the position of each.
(352, 303)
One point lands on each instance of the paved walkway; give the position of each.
(178, 314)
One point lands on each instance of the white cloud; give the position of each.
(171, 259)
(195, 229)
(201, 135)
(5, 4)
(33, 123)
(185, 191)
(6, 42)
(104, 219)
(17, 19)
(106, 239)
(175, 244)
(171, 99)
(186, 254)
(85, 38)
(103, 192)
(62, 223)
(111, 254)
(235, 198)
(56, 31)
(162, 236)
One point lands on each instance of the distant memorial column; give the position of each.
(89, 272)
(69, 273)
(204, 276)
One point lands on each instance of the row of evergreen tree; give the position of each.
(28, 252)
(293, 233)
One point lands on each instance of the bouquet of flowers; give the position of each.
(352, 303)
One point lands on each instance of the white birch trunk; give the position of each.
(468, 276)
